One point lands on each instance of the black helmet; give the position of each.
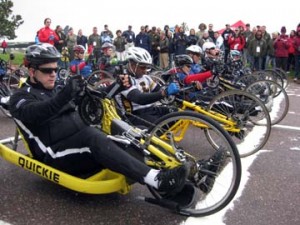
(40, 54)
(181, 60)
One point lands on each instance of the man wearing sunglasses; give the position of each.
(139, 102)
(57, 135)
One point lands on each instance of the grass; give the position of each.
(18, 57)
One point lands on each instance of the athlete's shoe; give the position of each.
(210, 169)
(171, 182)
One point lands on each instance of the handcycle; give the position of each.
(209, 187)
(242, 114)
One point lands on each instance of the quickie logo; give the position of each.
(38, 169)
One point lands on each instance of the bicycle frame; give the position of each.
(228, 123)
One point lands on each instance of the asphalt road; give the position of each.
(269, 191)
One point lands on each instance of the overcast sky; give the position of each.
(118, 14)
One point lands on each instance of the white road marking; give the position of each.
(286, 127)
(217, 218)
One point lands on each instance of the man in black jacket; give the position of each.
(58, 136)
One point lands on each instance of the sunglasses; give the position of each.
(48, 70)
(80, 52)
(188, 65)
(212, 48)
(143, 67)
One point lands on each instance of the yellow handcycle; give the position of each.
(242, 114)
(211, 184)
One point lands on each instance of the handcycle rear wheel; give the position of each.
(214, 189)
(250, 115)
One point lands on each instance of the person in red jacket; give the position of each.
(291, 50)
(46, 34)
(4, 46)
(281, 46)
(296, 43)
(237, 40)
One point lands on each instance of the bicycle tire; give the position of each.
(12, 81)
(96, 76)
(283, 75)
(4, 92)
(250, 115)
(208, 199)
(273, 96)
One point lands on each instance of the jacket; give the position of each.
(45, 112)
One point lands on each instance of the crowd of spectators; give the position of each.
(260, 49)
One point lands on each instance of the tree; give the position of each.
(8, 22)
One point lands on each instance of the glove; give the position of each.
(113, 62)
(172, 89)
(51, 37)
(73, 87)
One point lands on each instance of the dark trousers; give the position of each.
(104, 153)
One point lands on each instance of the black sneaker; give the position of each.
(210, 169)
(171, 182)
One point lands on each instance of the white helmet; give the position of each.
(139, 55)
(195, 48)
(208, 45)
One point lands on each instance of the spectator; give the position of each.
(202, 27)
(61, 38)
(270, 60)
(163, 49)
(143, 40)
(4, 46)
(129, 36)
(236, 41)
(154, 37)
(291, 57)
(94, 44)
(192, 38)
(180, 42)
(247, 33)
(281, 46)
(226, 33)
(296, 43)
(71, 41)
(81, 39)
(106, 35)
(46, 34)
(219, 41)
(258, 50)
(120, 43)
(211, 32)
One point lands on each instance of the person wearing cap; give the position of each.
(129, 35)
(57, 136)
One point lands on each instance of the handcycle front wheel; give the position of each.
(96, 78)
(246, 119)
(273, 96)
(215, 173)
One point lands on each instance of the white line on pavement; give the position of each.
(286, 127)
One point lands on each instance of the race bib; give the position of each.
(258, 49)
